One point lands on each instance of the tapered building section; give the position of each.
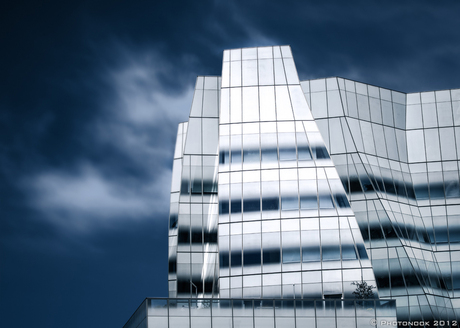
(285, 225)
(193, 266)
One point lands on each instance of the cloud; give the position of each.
(141, 116)
(80, 199)
(140, 95)
(125, 172)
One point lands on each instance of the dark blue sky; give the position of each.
(91, 93)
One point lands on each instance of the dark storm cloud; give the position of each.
(90, 97)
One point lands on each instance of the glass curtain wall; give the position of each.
(265, 171)
(285, 225)
(194, 209)
(397, 158)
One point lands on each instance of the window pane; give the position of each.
(308, 202)
(269, 155)
(289, 203)
(325, 202)
(291, 255)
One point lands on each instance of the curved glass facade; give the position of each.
(285, 226)
(284, 189)
(397, 156)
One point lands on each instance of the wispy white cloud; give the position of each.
(141, 118)
(82, 198)
(140, 96)
(136, 121)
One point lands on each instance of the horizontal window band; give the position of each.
(310, 202)
(196, 236)
(301, 153)
(404, 279)
(198, 187)
(437, 190)
(433, 236)
(292, 255)
(196, 286)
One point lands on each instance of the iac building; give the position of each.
(284, 193)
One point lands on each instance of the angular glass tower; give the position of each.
(285, 226)
(288, 190)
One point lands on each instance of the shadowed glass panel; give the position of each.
(309, 202)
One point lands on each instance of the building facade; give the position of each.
(287, 189)
(262, 313)
(397, 157)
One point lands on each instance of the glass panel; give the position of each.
(178, 321)
(285, 322)
(365, 308)
(308, 202)
(432, 145)
(210, 136)
(280, 78)
(283, 104)
(386, 308)
(325, 309)
(221, 322)
(179, 308)
(225, 74)
(416, 146)
(243, 308)
(349, 252)
(266, 76)
(287, 154)
(243, 322)
(289, 203)
(325, 202)
(430, 119)
(235, 73)
(345, 309)
(414, 116)
(291, 255)
(318, 104)
(363, 107)
(252, 257)
(160, 322)
(249, 53)
(299, 103)
(271, 256)
(310, 246)
(264, 322)
(291, 72)
(337, 140)
(157, 307)
(387, 112)
(267, 103)
(250, 104)
(320, 153)
(224, 106)
(210, 103)
(284, 308)
(376, 113)
(251, 156)
(448, 149)
(201, 308)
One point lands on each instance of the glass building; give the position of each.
(286, 193)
